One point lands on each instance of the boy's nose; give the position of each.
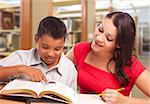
(50, 53)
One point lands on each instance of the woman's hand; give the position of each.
(34, 73)
(111, 96)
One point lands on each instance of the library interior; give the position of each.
(19, 22)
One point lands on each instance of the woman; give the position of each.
(107, 63)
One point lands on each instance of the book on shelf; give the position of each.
(53, 90)
(6, 20)
(72, 24)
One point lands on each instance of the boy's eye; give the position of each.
(45, 47)
(57, 49)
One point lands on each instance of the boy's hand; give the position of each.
(34, 73)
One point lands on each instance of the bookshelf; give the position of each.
(73, 25)
(101, 11)
(20, 35)
(9, 29)
(71, 14)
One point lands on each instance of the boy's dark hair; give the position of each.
(53, 27)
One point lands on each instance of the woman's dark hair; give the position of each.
(126, 32)
(53, 27)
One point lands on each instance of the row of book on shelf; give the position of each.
(73, 38)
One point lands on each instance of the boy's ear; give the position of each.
(36, 38)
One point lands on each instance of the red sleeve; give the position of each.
(80, 51)
(137, 68)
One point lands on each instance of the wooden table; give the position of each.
(4, 101)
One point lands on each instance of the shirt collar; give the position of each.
(35, 57)
(60, 63)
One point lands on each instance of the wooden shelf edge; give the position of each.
(66, 3)
(10, 30)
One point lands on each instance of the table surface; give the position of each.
(4, 101)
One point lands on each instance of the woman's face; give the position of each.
(105, 37)
(50, 49)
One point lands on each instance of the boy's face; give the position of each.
(50, 49)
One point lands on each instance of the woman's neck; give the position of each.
(104, 57)
(99, 60)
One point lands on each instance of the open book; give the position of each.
(54, 90)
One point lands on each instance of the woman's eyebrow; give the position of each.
(112, 35)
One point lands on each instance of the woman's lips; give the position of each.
(97, 44)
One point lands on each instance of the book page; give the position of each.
(61, 90)
(56, 99)
(21, 85)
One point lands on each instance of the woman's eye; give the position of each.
(100, 30)
(109, 39)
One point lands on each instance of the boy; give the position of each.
(46, 62)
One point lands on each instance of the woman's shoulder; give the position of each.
(136, 68)
(80, 51)
(135, 60)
